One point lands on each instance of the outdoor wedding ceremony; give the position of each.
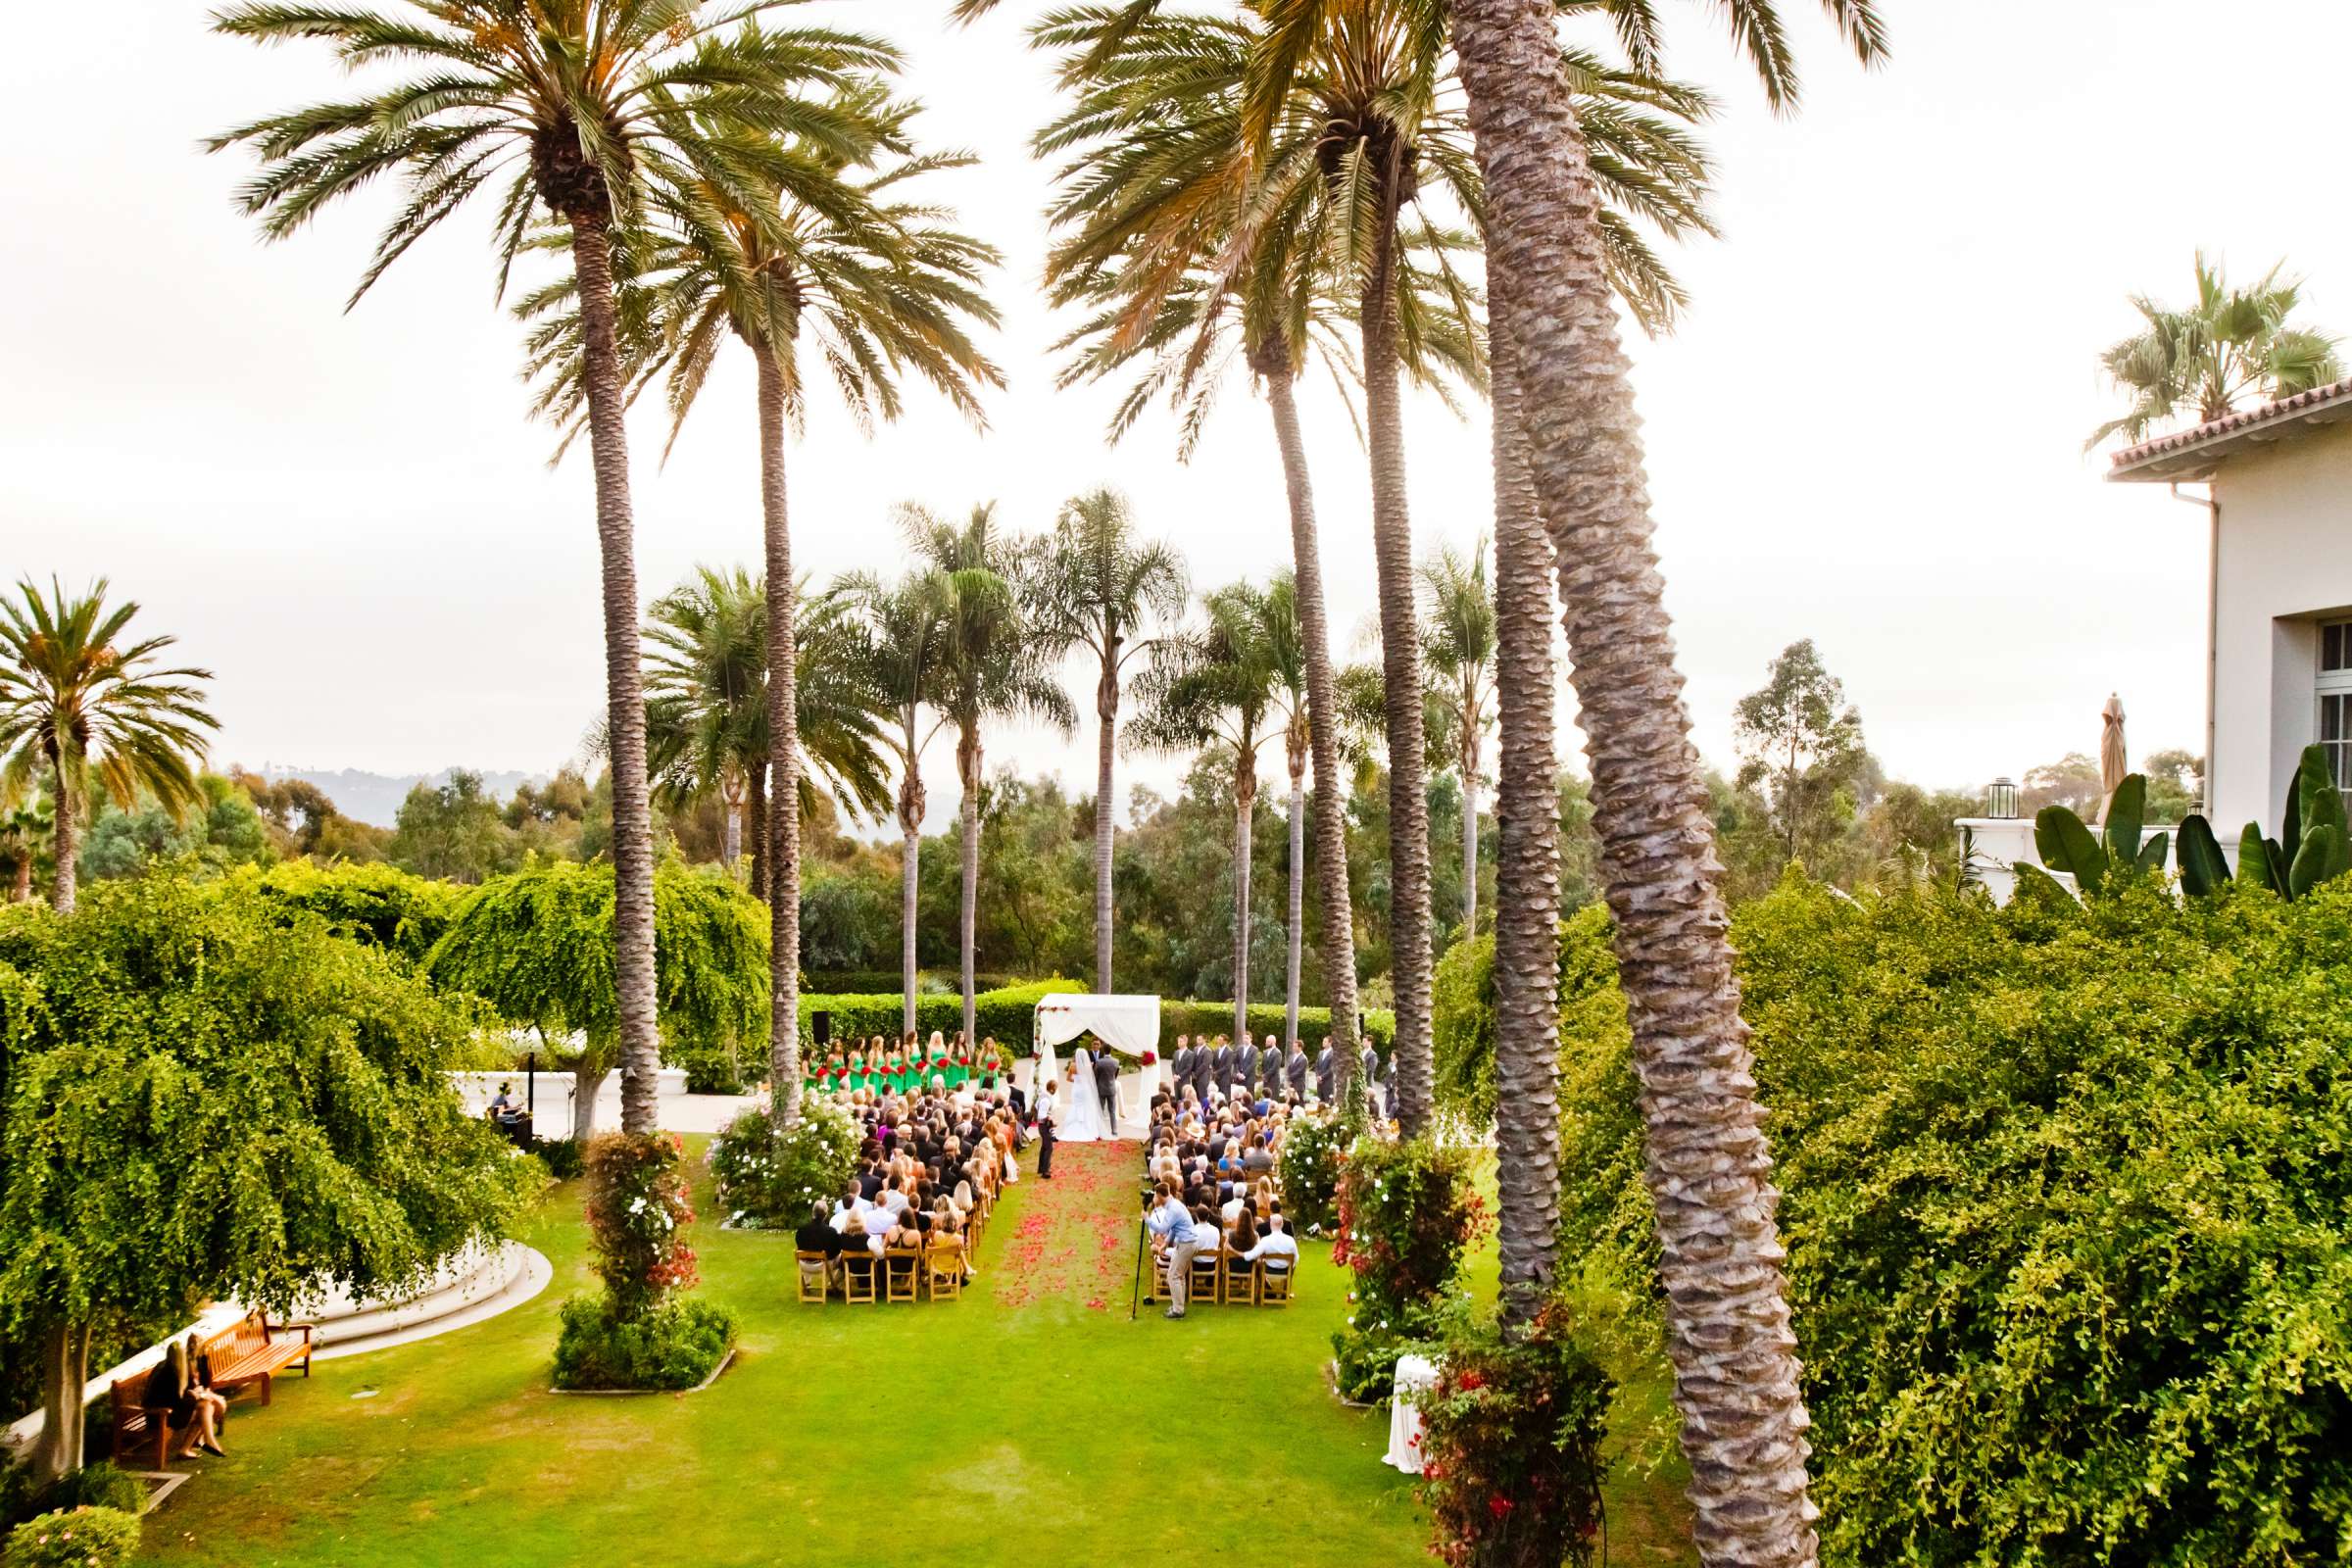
(1153, 781)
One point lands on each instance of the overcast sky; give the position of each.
(1867, 433)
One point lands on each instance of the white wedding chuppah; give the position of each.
(1128, 1025)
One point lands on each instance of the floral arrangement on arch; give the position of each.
(1511, 1445)
(639, 1207)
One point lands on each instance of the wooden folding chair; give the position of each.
(1240, 1283)
(1205, 1288)
(1154, 1264)
(813, 1268)
(943, 1268)
(858, 1275)
(1274, 1283)
(902, 1273)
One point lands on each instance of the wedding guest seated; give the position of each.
(1275, 1248)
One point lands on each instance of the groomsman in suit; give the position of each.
(1244, 1070)
(1203, 1057)
(1327, 1074)
(1179, 1065)
(1294, 1069)
(1269, 1070)
(1369, 1059)
(1387, 1086)
(1220, 1066)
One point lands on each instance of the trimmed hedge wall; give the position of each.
(1007, 1014)
(1214, 1019)
(885, 981)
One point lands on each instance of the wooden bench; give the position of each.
(247, 1353)
(141, 1431)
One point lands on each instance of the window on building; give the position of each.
(2335, 700)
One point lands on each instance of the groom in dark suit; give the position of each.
(1106, 1084)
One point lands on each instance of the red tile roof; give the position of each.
(2192, 453)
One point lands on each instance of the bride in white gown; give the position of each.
(1081, 1104)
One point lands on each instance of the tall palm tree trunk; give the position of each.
(1323, 717)
(755, 807)
(1707, 1165)
(19, 891)
(910, 857)
(968, 768)
(784, 757)
(1400, 672)
(624, 690)
(1469, 767)
(1107, 710)
(66, 824)
(1245, 802)
(730, 831)
(1527, 873)
(1298, 907)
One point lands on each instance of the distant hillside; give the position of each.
(376, 797)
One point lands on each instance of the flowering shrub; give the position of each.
(638, 1210)
(75, 1538)
(673, 1346)
(1405, 1212)
(1309, 1173)
(769, 1179)
(1510, 1446)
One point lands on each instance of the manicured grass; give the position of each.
(1029, 1421)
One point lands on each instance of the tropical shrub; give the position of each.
(769, 1179)
(1462, 1019)
(1313, 1150)
(673, 1346)
(75, 1538)
(638, 1210)
(2068, 1206)
(1511, 1445)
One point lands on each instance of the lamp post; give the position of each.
(2000, 800)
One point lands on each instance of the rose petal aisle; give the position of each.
(1075, 1239)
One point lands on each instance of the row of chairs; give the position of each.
(900, 1274)
(1222, 1279)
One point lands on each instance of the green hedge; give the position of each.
(1004, 1015)
(880, 982)
(1008, 1013)
(2067, 1209)
(1197, 1018)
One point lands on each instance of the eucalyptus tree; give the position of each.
(84, 706)
(1218, 689)
(790, 243)
(2232, 342)
(1286, 650)
(898, 656)
(992, 667)
(570, 108)
(1458, 659)
(707, 707)
(1099, 587)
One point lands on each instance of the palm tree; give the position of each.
(23, 831)
(1216, 690)
(81, 705)
(1708, 1166)
(1286, 650)
(2232, 342)
(991, 668)
(1457, 659)
(899, 651)
(1187, 234)
(1098, 587)
(706, 711)
(570, 108)
(771, 242)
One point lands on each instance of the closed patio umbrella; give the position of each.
(2111, 764)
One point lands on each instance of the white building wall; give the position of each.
(2285, 567)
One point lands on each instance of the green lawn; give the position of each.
(1029, 1421)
